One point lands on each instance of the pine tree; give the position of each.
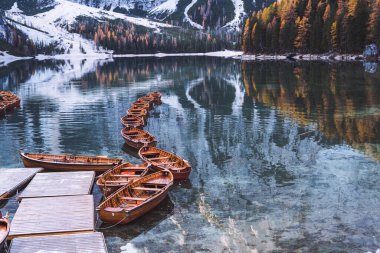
(340, 27)
(246, 41)
(302, 40)
(334, 36)
(326, 34)
(276, 34)
(288, 26)
(374, 23)
(355, 25)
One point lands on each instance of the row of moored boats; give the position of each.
(130, 190)
(8, 102)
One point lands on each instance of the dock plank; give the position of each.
(59, 184)
(12, 179)
(53, 215)
(84, 242)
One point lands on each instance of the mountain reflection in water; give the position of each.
(284, 155)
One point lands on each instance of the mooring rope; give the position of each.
(114, 225)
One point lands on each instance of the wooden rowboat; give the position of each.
(164, 160)
(157, 97)
(4, 230)
(137, 112)
(137, 138)
(10, 98)
(69, 162)
(114, 178)
(132, 121)
(140, 104)
(136, 198)
(147, 99)
(8, 101)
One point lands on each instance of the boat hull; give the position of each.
(123, 217)
(139, 123)
(157, 97)
(182, 174)
(61, 167)
(109, 189)
(138, 145)
(4, 231)
(146, 139)
(119, 176)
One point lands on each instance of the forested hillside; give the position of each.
(313, 26)
(126, 38)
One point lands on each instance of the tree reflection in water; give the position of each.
(272, 170)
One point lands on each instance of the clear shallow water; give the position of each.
(285, 155)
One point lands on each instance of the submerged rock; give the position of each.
(370, 67)
(371, 52)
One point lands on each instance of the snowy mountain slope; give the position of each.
(144, 5)
(192, 13)
(51, 27)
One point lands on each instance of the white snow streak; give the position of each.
(239, 14)
(6, 58)
(192, 23)
(167, 7)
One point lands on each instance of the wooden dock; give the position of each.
(86, 242)
(53, 216)
(12, 179)
(59, 184)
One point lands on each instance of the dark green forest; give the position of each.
(313, 26)
(127, 38)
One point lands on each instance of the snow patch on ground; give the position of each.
(167, 7)
(6, 58)
(239, 14)
(188, 19)
(225, 53)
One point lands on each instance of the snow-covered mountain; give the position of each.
(31, 27)
(51, 26)
(199, 14)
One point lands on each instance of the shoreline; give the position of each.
(6, 58)
(305, 57)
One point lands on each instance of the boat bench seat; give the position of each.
(133, 198)
(115, 181)
(133, 168)
(134, 135)
(166, 163)
(126, 175)
(159, 158)
(154, 184)
(146, 189)
(113, 209)
(150, 153)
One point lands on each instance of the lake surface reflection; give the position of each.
(285, 155)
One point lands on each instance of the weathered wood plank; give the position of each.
(53, 215)
(59, 184)
(83, 242)
(12, 179)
